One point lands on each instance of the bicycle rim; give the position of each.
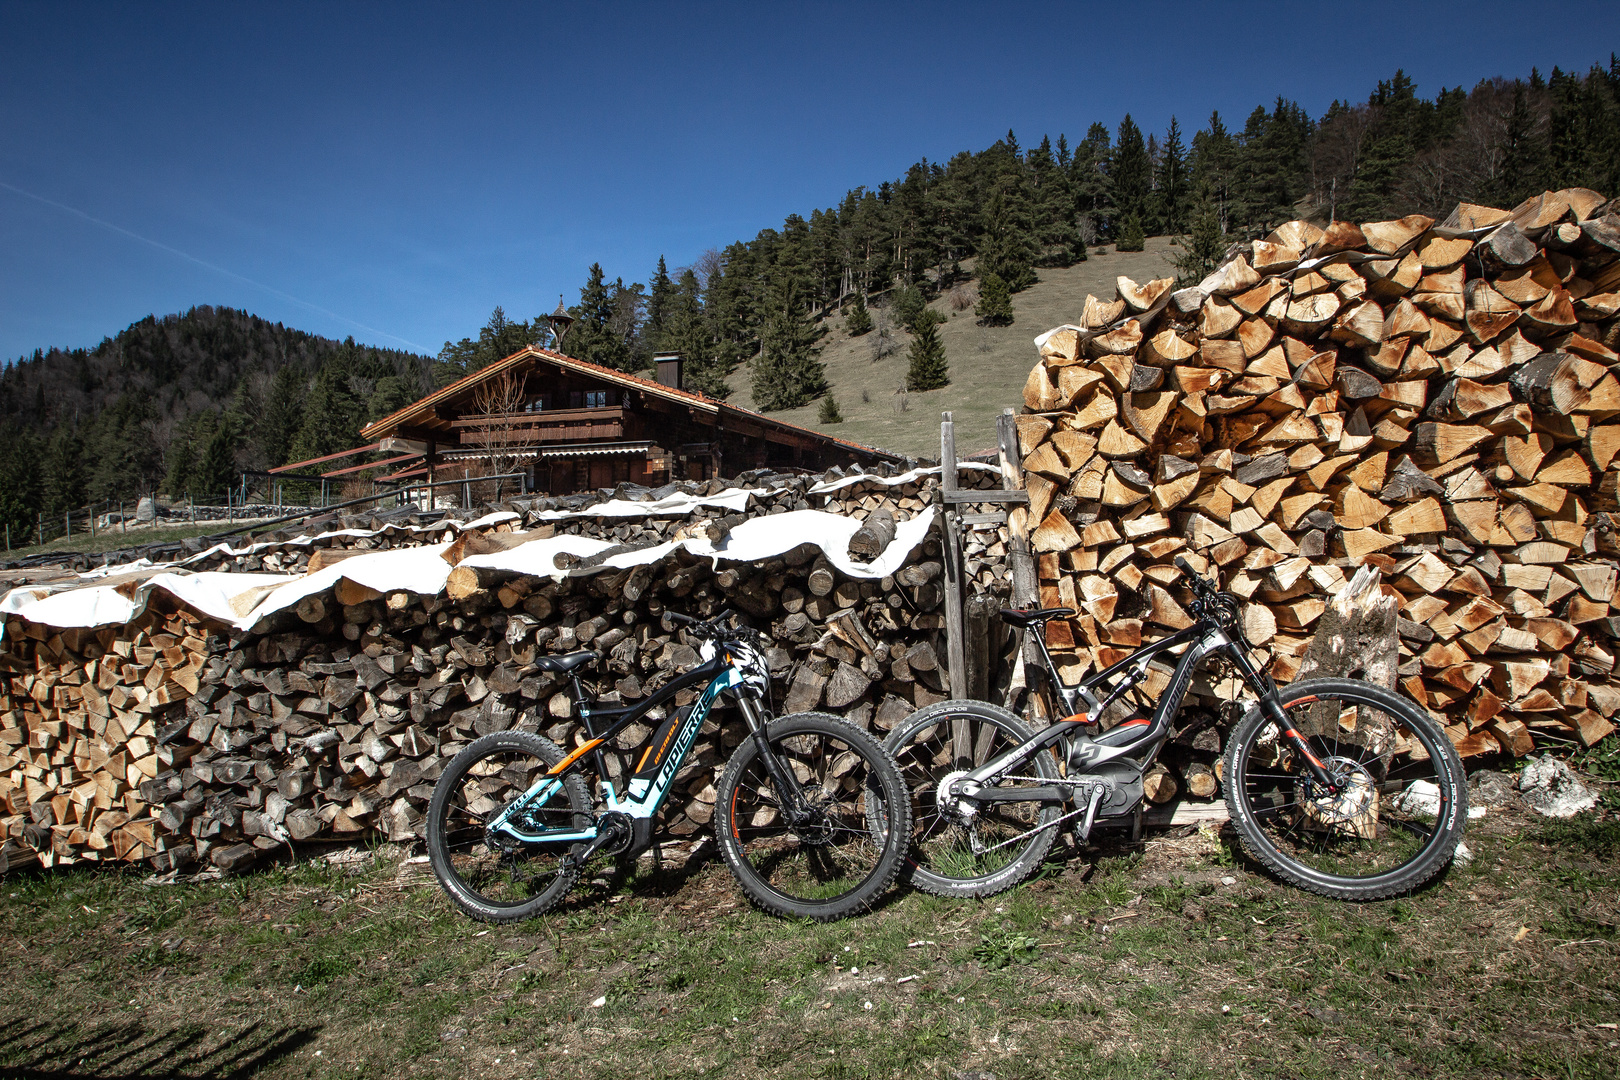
(1396, 816)
(502, 876)
(840, 854)
(988, 851)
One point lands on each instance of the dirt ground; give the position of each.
(1168, 958)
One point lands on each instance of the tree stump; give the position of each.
(1355, 639)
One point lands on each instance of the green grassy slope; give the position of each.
(988, 364)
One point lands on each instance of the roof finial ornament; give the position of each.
(560, 321)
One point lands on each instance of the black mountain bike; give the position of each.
(810, 814)
(1338, 786)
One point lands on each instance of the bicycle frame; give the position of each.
(643, 796)
(1204, 639)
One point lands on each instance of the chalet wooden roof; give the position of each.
(422, 420)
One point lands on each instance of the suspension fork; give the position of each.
(1265, 689)
(787, 785)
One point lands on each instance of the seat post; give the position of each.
(1065, 695)
(578, 692)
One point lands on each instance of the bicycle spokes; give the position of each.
(827, 844)
(1377, 813)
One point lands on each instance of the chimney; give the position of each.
(669, 369)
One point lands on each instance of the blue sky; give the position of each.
(393, 171)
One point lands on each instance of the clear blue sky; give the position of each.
(393, 171)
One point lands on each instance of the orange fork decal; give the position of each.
(575, 756)
(1306, 750)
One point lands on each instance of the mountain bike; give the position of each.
(810, 813)
(1337, 786)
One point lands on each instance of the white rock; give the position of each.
(1552, 790)
(1463, 854)
(1420, 797)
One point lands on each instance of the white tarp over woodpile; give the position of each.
(243, 599)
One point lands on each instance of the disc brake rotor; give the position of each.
(1353, 808)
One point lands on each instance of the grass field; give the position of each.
(115, 540)
(988, 364)
(1168, 959)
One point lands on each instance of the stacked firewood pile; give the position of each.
(1437, 400)
(177, 741)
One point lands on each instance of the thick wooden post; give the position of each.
(955, 640)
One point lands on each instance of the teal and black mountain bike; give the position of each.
(811, 813)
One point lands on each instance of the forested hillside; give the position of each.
(180, 402)
(1011, 211)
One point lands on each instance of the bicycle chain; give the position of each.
(1064, 782)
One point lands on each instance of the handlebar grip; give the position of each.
(1185, 567)
(680, 620)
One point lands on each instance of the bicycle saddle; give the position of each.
(567, 662)
(1014, 617)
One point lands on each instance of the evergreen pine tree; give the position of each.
(859, 320)
(928, 370)
(909, 306)
(19, 482)
(282, 416)
(995, 302)
(1170, 187)
(1007, 248)
(1523, 150)
(63, 480)
(1130, 175)
(1214, 165)
(593, 337)
(215, 471)
(787, 373)
(828, 413)
(1130, 237)
(659, 295)
(1201, 250)
(185, 448)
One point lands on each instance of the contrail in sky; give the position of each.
(120, 230)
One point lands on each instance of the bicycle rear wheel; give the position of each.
(1402, 800)
(847, 847)
(502, 882)
(981, 855)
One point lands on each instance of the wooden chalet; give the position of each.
(575, 426)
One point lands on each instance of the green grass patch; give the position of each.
(1143, 961)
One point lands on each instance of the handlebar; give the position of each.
(1199, 584)
(709, 627)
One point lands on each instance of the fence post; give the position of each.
(91, 510)
(8, 537)
(123, 522)
(40, 534)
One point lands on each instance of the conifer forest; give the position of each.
(182, 403)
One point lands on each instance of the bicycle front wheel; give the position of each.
(502, 881)
(1398, 808)
(999, 844)
(842, 847)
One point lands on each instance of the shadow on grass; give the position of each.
(63, 1051)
